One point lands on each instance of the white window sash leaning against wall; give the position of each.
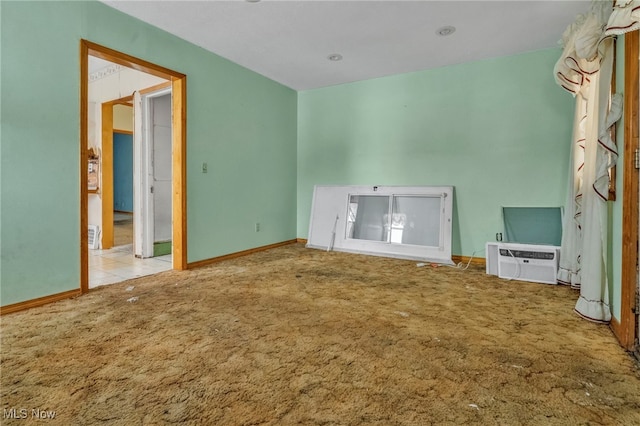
(585, 70)
(407, 222)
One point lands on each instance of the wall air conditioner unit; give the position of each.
(524, 262)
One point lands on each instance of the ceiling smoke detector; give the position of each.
(446, 31)
(335, 57)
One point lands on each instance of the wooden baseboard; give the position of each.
(477, 261)
(206, 262)
(21, 306)
(301, 240)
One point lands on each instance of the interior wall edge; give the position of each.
(625, 329)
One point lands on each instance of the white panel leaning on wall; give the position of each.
(407, 222)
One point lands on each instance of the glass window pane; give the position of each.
(367, 217)
(416, 220)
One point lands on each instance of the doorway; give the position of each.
(111, 206)
(122, 186)
(177, 142)
(152, 177)
(116, 125)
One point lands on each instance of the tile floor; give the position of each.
(119, 264)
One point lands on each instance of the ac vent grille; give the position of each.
(93, 237)
(526, 254)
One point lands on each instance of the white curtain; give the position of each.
(624, 18)
(585, 70)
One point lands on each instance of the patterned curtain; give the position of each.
(585, 70)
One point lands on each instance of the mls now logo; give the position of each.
(23, 413)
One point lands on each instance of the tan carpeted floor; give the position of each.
(298, 336)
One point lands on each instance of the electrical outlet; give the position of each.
(257, 226)
(499, 236)
(204, 167)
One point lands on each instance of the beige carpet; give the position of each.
(298, 336)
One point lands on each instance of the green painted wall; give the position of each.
(40, 151)
(498, 130)
(242, 124)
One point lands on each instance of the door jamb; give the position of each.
(179, 110)
(147, 209)
(624, 329)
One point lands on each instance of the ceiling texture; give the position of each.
(291, 41)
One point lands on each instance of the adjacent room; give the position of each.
(116, 205)
(318, 212)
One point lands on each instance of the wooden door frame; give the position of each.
(625, 327)
(179, 168)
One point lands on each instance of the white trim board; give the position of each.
(417, 224)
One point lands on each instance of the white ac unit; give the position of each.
(524, 262)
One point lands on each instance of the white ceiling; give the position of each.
(289, 41)
(96, 64)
